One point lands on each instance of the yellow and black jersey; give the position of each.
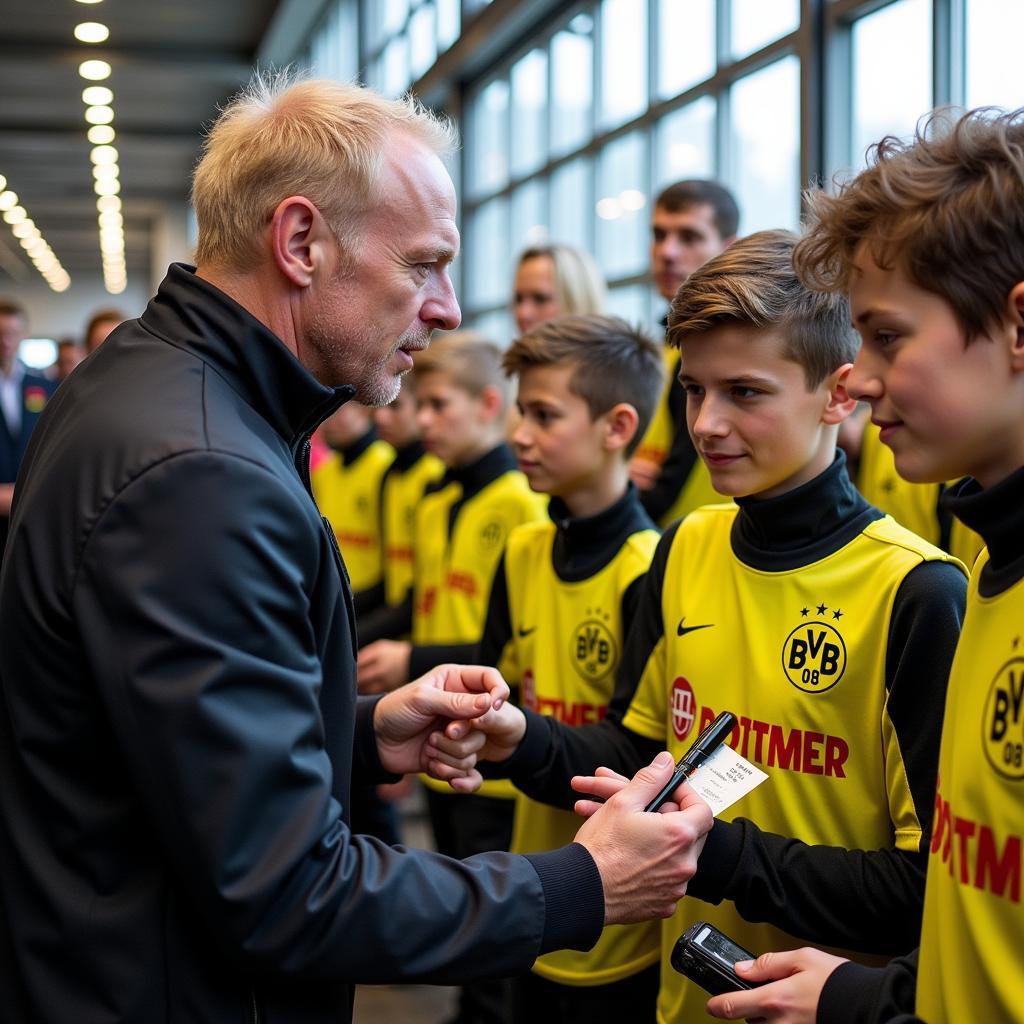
(556, 624)
(970, 966)
(405, 483)
(810, 677)
(684, 482)
(883, 611)
(918, 507)
(461, 529)
(347, 487)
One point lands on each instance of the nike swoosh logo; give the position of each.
(682, 630)
(526, 632)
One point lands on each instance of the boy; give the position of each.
(562, 600)
(386, 611)
(929, 243)
(460, 532)
(825, 627)
(346, 486)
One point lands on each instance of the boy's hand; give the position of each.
(645, 860)
(404, 720)
(793, 999)
(605, 783)
(383, 666)
(494, 736)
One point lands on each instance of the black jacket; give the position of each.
(178, 719)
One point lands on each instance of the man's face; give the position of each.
(12, 334)
(751, 416)
(682, 242)
(946, 409)
(68, 357)
(558, 444)
(368, 318)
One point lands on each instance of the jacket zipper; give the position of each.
(255, 1019)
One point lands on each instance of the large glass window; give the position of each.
(622, 220)
(995, 29)
(686, 143)
(623, 60)
(892, 73)
(572, 210)
(755, 23)
(686, 44)
(529, 106)
(572, 60)
(487, 140)
(529, 218)
(765, 150)
(486, 261)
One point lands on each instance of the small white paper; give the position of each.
(725, 777)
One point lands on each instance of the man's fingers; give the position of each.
(585, 808)
(772, 966)
(598, 786)
(738, 1005)
(647, 782)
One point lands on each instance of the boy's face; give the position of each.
(396, 423)
(559, 446)
(451, 420)
(346, 425)
(946, 409)
(756, 425)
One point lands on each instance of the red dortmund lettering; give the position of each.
(993, 873)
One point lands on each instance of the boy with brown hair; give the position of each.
(825, 627)
(929, 244)
(562, 603)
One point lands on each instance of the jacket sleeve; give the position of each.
(194, 600)
(676, 468)
(868, 900)
(552, 752)
(854, 994)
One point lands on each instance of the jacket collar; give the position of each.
(195, 315)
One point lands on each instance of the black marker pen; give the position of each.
(703, 747)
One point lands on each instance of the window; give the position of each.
(623, 219)
(529, 106)
(686, 143)
(755, 23)
(623, 60)
(572, 58)
(686, 44)
(572, 206)
(994, 31)
(487, 140)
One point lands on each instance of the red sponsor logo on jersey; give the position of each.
(973, 855)
(427, 601)
(528, 690)
(399, 552)
(576, 712)
(684, 708)
(465, 582)
(350, 539)
(792, 750)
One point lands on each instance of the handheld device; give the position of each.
(703, 747)
(706, 956)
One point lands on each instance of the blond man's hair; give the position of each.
(947, 207)
(312, 138)
(754, 284)
(611, 362)
(469, 360)
(579, 285)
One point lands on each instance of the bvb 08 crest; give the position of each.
(594, 651)
(814, 657)
(1002, 727)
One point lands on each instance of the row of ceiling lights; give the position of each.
(99, 115)
(31, 240)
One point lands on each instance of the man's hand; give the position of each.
(791, 1000)
(383, 666)
(404, 720)
(603, 784)
(644, 472)
(645, 860)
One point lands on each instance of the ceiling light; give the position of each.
(94, 70)
(101, 171)
(23, 229)
(15, 215)
(90, 1)
(111, 219)
(100, 134)
(105, 203)
(8, 199)
(103, 155)
(99, 114)
(91, 32)
(107, 187)
(3, 183)
(97, 94)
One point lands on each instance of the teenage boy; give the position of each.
(693, 221)
(346, 486)
(561, 603)
(386, 610)
(929, 244)
(823, 625)
(460, 532)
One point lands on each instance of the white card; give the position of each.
(725, 777)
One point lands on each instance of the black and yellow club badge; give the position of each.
(814, 654)
(1002, 726)
(493, 535)
(594, 651)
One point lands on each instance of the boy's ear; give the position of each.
(621, 422)
(839, 404)
(1015, 313)
(491, 403)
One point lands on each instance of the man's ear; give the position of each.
(298, 236)
(1015, 319)
(621, 422)
(839, 404)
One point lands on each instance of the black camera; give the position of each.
(706, 956)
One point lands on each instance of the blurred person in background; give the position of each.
(69, 354)
(552, 280)
(101, 323)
